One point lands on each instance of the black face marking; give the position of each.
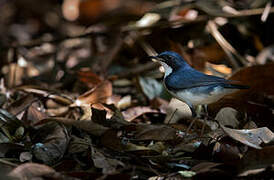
(170, 60)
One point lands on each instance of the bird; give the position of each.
(191, 86)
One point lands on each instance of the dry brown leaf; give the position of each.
(50, 142)
(61, 111)
(87, 125)
(33, 115)
(98, 94)
(257, 159)
(227, 151)
(112, 139)
(37, 171)
(137, 111)
(21, 104)
(108, 165)
(155, 132)
(251, 137)
(89, 78)
(210, 169)
(45, 93)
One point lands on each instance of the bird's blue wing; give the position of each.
(191, 78)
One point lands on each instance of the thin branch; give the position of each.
(226, 46)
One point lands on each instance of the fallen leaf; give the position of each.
(187, 147)
(37, 171)
(78, 145)
(227, 117)
(9, 125)
(133, 113)
(112, 139)
(87, 125)
(98, 94)
(251, 137)
(155, 132)
(45, 93)
(108, 165)
(20, 105)
(25, 156)
(51, 141)
(177, 110)
(257, 159)
(227, 151)
(124, 102)
(259, 173)
(61, 111)
(32, 115)
(89, 78)
(211, 169)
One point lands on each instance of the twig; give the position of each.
(247, 12)
(266, 11)
(147, 48)
(201, 18)
(226, 46)
(8, 163)
(165, 24)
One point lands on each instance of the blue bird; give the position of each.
(191, 86)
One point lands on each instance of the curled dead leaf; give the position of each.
(98, 94)
(251, 137)
(51, 141)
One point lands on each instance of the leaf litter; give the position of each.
(80, 99)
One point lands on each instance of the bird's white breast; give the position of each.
(196, 96)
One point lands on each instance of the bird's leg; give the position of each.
(198, 111)
(193, 111)
(194, 115)
(205, 109)
(205, 118)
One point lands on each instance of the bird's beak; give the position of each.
(154, 58)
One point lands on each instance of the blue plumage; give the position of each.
(190, 85)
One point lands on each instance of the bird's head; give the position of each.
(171, 61)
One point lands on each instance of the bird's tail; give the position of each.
(236, 86)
